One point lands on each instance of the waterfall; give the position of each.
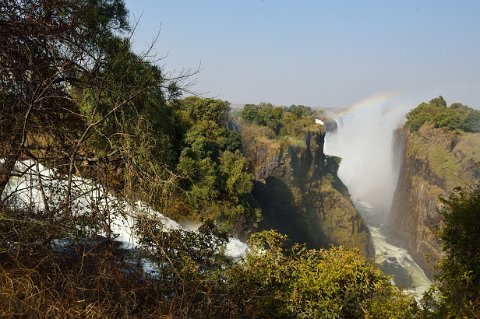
(363, 138)
(24, 192)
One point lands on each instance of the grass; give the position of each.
(470, 146)
(448, 153)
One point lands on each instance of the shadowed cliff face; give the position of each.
(300, 193)
(435, 161)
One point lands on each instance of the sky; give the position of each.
(318, 53)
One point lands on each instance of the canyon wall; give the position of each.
(435, 161)
(300, 193)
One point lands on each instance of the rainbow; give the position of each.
(371, 101)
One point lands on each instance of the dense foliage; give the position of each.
(175, 274)
(188, 277)
(215, 174)
(293, 121)
(300, 283)
(78, 99)
(458, 289)
(455, 117)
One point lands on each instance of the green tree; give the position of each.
(250, 112)
(234, 169)
(197, 109)
(264, 114)
(472, 122)
(47, 46)
(455, 117)
(459, 271)
(438, 102)
(300, 283)
(300, 110)
(216, 175)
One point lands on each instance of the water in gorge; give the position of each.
(364, 140)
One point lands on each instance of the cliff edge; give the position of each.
(299, 191)
(435, 161)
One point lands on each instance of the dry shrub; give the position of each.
(96, 278)
(27, 294)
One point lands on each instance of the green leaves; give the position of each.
(459, 272)
(216, 177)
(203, 109)
(264, 114)
(236, 178)
(333, 283)
(293, 121)
(436, 113)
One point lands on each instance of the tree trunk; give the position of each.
(6, 170)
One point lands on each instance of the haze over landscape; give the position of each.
(255, 159)
(318, 53)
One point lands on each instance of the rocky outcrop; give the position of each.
(300, 193)
(435, 161)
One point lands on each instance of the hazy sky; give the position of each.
(318, 53)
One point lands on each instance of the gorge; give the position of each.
(130, 186)
(299, 192)
(363, 138)
(398, 166)
(354, 181)
(437, 158)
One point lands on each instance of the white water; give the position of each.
(25, 191)
(364, 141)
(393, 259)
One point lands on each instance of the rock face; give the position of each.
(435, 161)
(300, 193)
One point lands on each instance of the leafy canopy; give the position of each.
(459, 271)
(215, 174)
(332, 283)
(283, 121)
(455, 117)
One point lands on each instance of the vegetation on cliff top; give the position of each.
(298, 187)
(455, 117)
(77, 100)
(293, 121)
(452, 155)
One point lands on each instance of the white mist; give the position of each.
(364, 139)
